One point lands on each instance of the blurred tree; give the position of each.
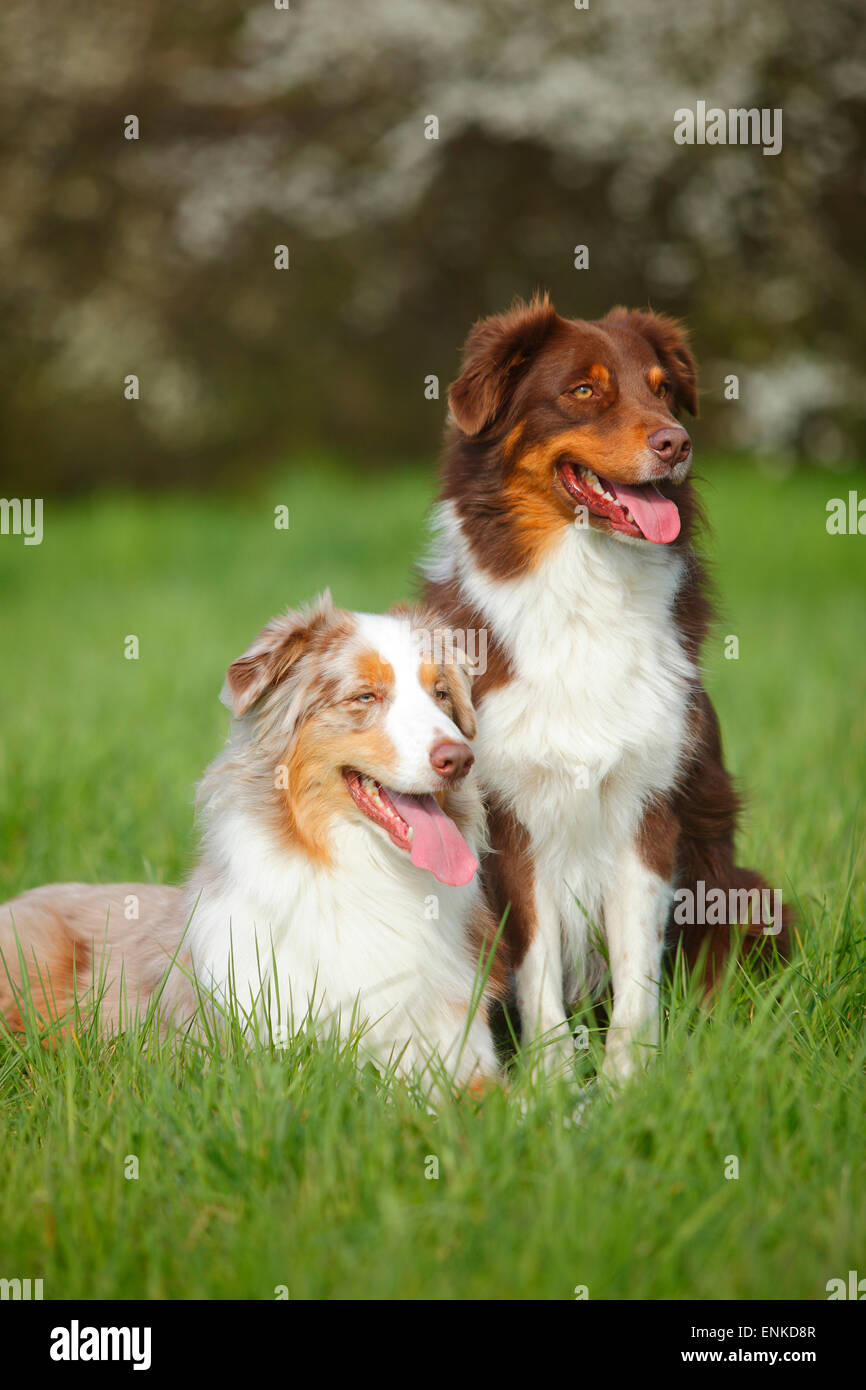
(308, 127)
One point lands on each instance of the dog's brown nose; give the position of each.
(671, 444)
(451, 760)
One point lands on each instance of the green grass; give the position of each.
(267, 1168)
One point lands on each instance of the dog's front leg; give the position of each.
(635, 912)
(545, 1032)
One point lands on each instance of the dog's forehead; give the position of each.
(583, 342)
(389, 645)
(580, 347)
(585, 336)
(372, 668)
(594, 348)
(630, 347)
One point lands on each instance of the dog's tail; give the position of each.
(40, 957)
(68, 942)
(735, 912)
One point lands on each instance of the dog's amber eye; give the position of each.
(663, 390)
(584, 390)
(441, 692)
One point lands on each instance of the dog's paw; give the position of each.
(551, 1055)
(624, 1058)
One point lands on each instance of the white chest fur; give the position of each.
(372, 941)
(593, 722)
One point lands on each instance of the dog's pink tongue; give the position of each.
(437, 844)
(656, 516)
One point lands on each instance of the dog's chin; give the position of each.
(622, 538)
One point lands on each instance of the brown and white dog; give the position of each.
(564, 530)
(337, 881)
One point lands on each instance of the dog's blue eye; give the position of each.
(366, 697)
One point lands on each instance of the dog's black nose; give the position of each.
(451, 760)
(671, 444)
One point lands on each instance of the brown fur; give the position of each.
(509, 879)
(657, 839)
(514, 417)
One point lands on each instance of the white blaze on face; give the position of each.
(414, 721)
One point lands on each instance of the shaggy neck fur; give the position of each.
(368, 939)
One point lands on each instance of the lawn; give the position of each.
(290, 1169)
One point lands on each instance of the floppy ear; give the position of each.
(274, 652)
(670, 342)
(493, 356)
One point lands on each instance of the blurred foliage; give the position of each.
(261, 126)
